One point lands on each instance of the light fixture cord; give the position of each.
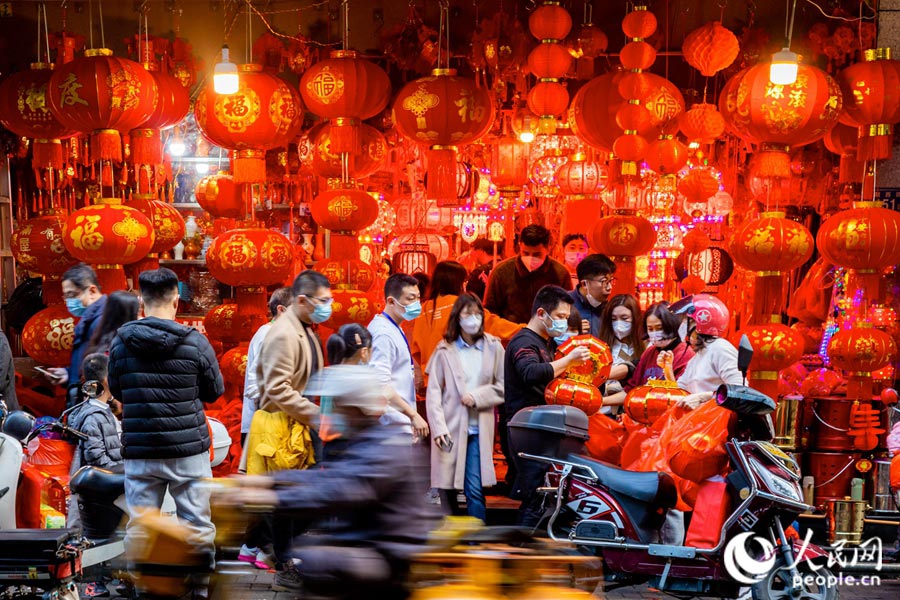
(790, 30)
(102, 33)
(345, 25)
(247, 56)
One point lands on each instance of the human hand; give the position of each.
(468, 400)
(246, 498)
(420, 426)
(692, 401)
(665, 359)
(253, 481)
(443, 442)
(579, 355)
(56, 375)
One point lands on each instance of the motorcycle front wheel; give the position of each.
(813, 585)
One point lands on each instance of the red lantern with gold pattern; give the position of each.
(646, 403)
(843, 140)
(871, 90)
(710, 48)
(48, 335)
(623, 235)
(865, 238)
(550, 21)
(103, 94)
(233, 366)
(221, 197)
(860, 351)
(264, 113)
(346, 90)
(443, 111)
(596, 370)
(37, 244)
(327, 162)
(572, 392)
(549, 60)
(250, 256)
(353, 306)
(344, 209)
(579, 178)
(775, 347)
(172, 105)
(771, 243)
(168, 224)
(703, 123)
(780, 117)
(225, 323)
(350, 273)
(25, 110)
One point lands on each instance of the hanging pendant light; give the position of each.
(225, 75)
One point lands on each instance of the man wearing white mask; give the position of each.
(596, 278)
(514, 283)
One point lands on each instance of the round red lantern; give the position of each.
(639, 23)
(344, 209)
(637, 56)
(861, 351)
(549, 60)
(250, 257)
(326, 161)
(646, 403)
(865, 238)
(698, 185)
(168, 224)
(710, 48)
(571, 392)
(350, 273)
(48, 335)
(713, 265)
(579, 178)
(548, 100)
(25, 110)
(38, 245)
(843, 140)
(346, 90)
(550, 21)
(443, 111)
(229, 325)
(703, 123)
(775, 347)
(871, 91)
(630, 147)
(596, 370)
(264, 113)
(771, 243)
(623, 235)
(509, 164)
(221, 197)
(695, 241)
(353, 306)
(103, 94)
(172, 105)
(666, 155)
(591, 41)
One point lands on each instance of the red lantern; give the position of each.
(703, 124)
(579, 178)
(570, 392)
(346, 90)
(698, 185)
(861, 351)
(775, 347)
(637, 56)
(549, 60)
(221, 197)
(443, 111)
(38, 245)
(327, 162)
(548, 100)
(105, 95)
(591, 41)
(623, 235)
(843, 140)
(509, 165)
(264, 113)
(353, 306)
(250, 257)
(646, 403)
(25, 110)
(550, 21)
(864, 239)
(631, 148)
(350, 273)
(771, 243)
(639, 23)
(344, 209)
(168, 224)
(173, 104)
(871, 91)
(710, 48)
(695, 241)
(233, 366)
(713, 265)
(226, 323)
(666, 155)
(48, 335)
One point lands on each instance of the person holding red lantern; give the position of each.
(661, 327)
(620, 327)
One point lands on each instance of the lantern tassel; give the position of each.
(345, 136)
(773, 163)
(442, 175)
(111, 277)
(249, 166)
(768, 296)
(875, 147)
(146, 147)
(344, 247)
(47, 154)
(106, 144)
(852, 170)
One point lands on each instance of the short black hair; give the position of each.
(283, 296)
(670, 322)
(454, 330)
(395, 284)
(158, 285)
(576, 322)
(347, 341)
(447, 279)
(95, 367)
(82, 276)
(484, 245)
(574, 236)
(593, 265)
(534, 235)
(549, 297)
(308, 283)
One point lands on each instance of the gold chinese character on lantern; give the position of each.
(70, 87)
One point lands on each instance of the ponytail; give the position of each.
(347, 341)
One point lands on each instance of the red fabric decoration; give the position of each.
(710, 48)
(344, 209)
(693, 284)
(550, 21)
(569, 392)
(872, 101)
(698, 185)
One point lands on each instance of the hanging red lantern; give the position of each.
(37, 244)
(221, 197)
(623, 235)
(250, 257)
(579, 178)
(353, 306)
(698, 185)
(48, 335)
(105, 95)
(226, 324)
(646, 403)
(264, 113)
(695, 241)
(871, 91)
(860, 351)
(864, 238)
(666, 156)
(172, 105)
(509, 165)
(443, 111)
(168, 224)
(771, 243)
(346, 90)
(328, 162)
(569, 392)
(25, 110)
(713, 265)
(702, 124)
(550, 21)
(630, 147)
(775, 347)
(549, 100)
(350, 273)
(710, 48)
(693, 284)
(344, 209)
(549, 60)
(780, 117)
(633, 116)
(843, 140)
(640, 23)
(591, 42)
(637, 56)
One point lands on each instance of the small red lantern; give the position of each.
(173, 104)
(646, 403)
(549, 60)
(250, 257)
(710, 48)
(640, 23)
(571, 392)
(698, 185)
(637, 56)
(596, 370)
(320, 154)
(775, 347)
(346, 90)
(666, 156)
(861, 351)
(344, 209)
(353, 306)
(550, 21)
(221, 197)
(48, 335)
(579, 178)
(872, 101)
(703, 123)
(38, 244)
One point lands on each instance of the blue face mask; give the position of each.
(320, 313)
(412, 311)
(75, 306)
(562, 339)
(557, 326)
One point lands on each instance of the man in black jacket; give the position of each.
(163, 373)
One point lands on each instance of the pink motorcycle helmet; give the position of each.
(708, 312)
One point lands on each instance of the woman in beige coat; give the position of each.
(465, 383)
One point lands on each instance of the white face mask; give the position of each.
(622, 329)
(573, 258)
(659, 339)
(683, 330)
(471, 324)
(591, 300)
(532, 262)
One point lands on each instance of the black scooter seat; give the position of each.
(653, 488)
(94, 481)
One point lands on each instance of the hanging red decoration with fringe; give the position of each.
(872, 101)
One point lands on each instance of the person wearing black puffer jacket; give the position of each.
(163, 373)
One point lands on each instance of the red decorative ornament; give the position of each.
(579, 178)
(864, 238)
(325, 161)
(48, 335)
(509, 165)
(860, 351)
(710, 48)
(646, 403)
(25, 110)
(713, 265)
(871, 91)
(623, 235)
(37, 244)
(264, 113)
(843, 140)
(346, 90)
(634, 117)
(250, 257)
(703, 124)
(550, 21)
(593, 372)
(771, 243)
(639, 23)
(637, 56)
(167, 222)
(775, 347)
(548, 100)
(105, 95)
(591, 41)
(172, 105)
(221, 197)
(630, 147)
(698, 185)
(666, 156)
(353, 306)
(228, 325)
(571, 392)
(693, 284)
(695, 241)
(351, 273)
(549, 60)
(344, 209)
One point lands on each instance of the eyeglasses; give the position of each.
(605, 281)
(321, 300)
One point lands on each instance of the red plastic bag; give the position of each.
(607, 437)
(696, 446)
(712, 507)
(52, 456)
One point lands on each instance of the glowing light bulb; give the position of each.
(202, 168)
(176, 147)
(784, 67)
(526, 137)
(225, 75)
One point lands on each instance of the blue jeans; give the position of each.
(475, 505)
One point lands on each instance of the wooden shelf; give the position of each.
(185, 261)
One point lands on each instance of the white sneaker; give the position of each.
(247, 554)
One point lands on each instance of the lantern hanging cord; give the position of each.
(789, 25)
(345, 24)
(102, 33)
(276, 33)
(847, 19)
(91, 22)
(444, 34)
(249, 33)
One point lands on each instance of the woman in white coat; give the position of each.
(465, 383)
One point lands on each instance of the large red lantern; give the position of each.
(623, 235)
(860, 351)
(103, 94)
(353, 306)
(646, 403)
(320, 153)
(344, 209)
(228, 324)
(571, 392)
(710, 48)
(168, 224)
(346, 90)
(865, 238)
(172, 105)
(264, 113)
(250, 256)
(25, 110)
(775, 347)
(48, 335)
(780, 117)
(221, 197)
(872, 101)
(37, 244)
(350, 273)
(443, 111)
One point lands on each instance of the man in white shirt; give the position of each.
(391, 357)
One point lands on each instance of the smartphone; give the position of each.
(448, 447)
(44, 372)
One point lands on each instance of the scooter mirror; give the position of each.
(745, 355)
(18, 424)
(744, 400)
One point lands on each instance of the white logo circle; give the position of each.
(743, 567)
